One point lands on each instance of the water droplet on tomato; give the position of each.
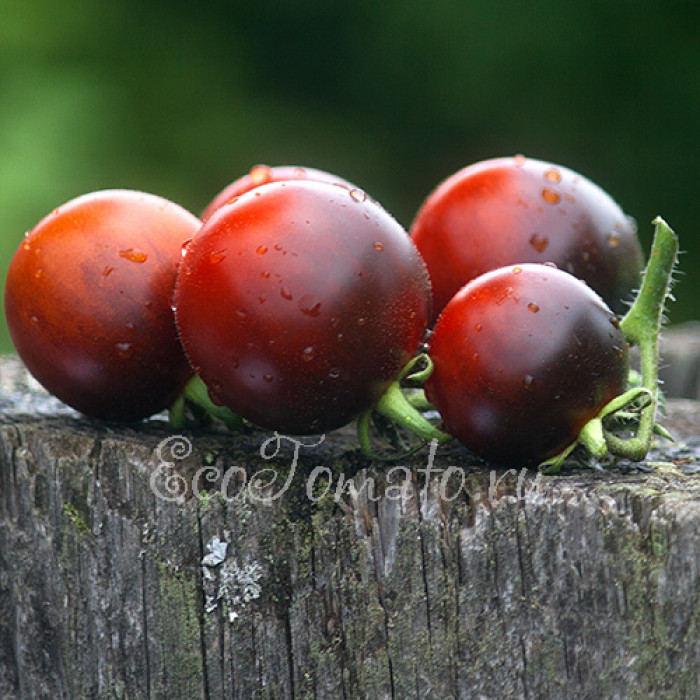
(241, 313)
(586, 256)
(38, 273)
(260, 174)
(134, 254)
(308, 354)
(267, 378)
(527, 380)
(123, 347)
(265, 275)
(184, 247)
(108, 269)
(358, 195)
(539, 243)
(217, 256)
(286, 294)
(34, 319)
(519, 160)
(334, 373)
(361, 321)
(552, 174)
(309, 305)
(613, 240)
(478, 328)
(27, 245)
(517, 270)
(533, 307)
(550, 195)
(379, 246)
(261, 250)
(340, 337)
(300, 173)
(129, 325)
(619, 351)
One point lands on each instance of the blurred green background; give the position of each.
(393, 95)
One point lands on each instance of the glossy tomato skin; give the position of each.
(299, 303)
(523, 357)
(264, 174)
(88, 303)
(510, 210)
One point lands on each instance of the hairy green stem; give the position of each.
(641, 326)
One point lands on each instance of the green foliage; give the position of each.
(394, 96)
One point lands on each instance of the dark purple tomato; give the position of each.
(524, 357)
(511, 210)
(298, 304)
(88, 303)
(263, 174)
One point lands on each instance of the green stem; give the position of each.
(196, 392)
(641, 326)
(400, 411)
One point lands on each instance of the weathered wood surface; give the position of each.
(114, 583)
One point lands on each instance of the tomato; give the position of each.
(298, 304)
(88, 303)
(262, 174)
(524, 357)
(512, 210)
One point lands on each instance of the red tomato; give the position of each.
(262, 174)
(299, 303)
(511, 210)
(523, 358)
(88, 303)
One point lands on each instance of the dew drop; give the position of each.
(619, 351)
(379, 245)
(265, 275)
(240, 313)
(309, 306)
(267, 378)
(519, 160)
(129, 325)
(300, 173)
(539, 243)
(184, 247)
(261, 250)
(340, 337)
(260, 174)
(34, 319)
(533, 307)
(361, 321)
(308, 353)
(527, 380)
(517, 270)
(123, 347)
(286, 294)
(358, 195)
(478, 328)
(38, 273)
(217, 256)
(107, 271)
(552, 174)
(550, 195)
(27, 245)
(586, 256)
(133, 254)
(613, 240)
(334, 373)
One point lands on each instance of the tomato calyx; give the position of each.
(195, 408)
(399, 409)
(635, 409)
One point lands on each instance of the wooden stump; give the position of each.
(136, 563)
